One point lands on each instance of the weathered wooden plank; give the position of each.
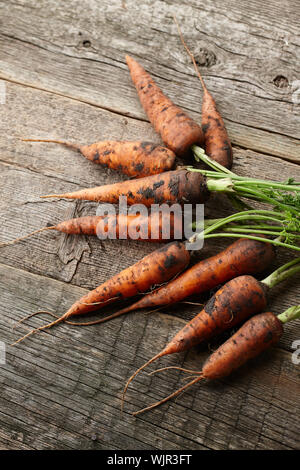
(69, 396)
(242, 56)
(29, 170)
(62, 389)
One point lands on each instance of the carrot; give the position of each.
(177, 129)
(216, 141)
(180, 186)
(136, 159)
(232, 304)
(242, 256)
(255, 336)
(119, 226)
(154, 269)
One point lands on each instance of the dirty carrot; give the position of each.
(255, 336)
(177, 129)
(183, 186)
(153, 227)
(154, 269)
(230, 305)
(136, 159)
(241, 257)
(180, 186)
(216, 141)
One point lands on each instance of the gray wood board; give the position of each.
(29, 170)
(62, 389)
(80, 52)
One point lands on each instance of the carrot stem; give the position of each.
(271, 184)
(265, 191)
(253, 230)
(292, 313)
(200, 155)
(245, 215)
(258, 227)
(293, 186)
(223, 185)
(260, 239)
(282, 273)
(287, 228)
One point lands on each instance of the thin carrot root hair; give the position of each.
(189, 371)
(27, 236)
(33, 315)
(157, 356)
(109, 317)
(174, 394)
(183, 391)
(41, 328)
(51, 141)
(189, 53)
(69, 322)
(60, 196)
(100, 302)
(189, 377)
(156, 287)
(192, 303)
(230, 319)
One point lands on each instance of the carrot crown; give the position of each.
(282, 196)
(283, 225)
(290, 314)
(282, 273)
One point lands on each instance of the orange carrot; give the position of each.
(237, 300)
(136, 159)
(119, 226)
(216, 141)
(180, 186)
(241, 257)
(154, 269)
(177, 129)
(232, 304)
(257, 334)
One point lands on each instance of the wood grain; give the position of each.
(62, 388)
(65, 77)
(80, 53)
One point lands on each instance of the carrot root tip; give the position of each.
(173, 395)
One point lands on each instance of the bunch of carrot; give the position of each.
(163, 273)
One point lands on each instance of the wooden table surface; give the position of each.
(63, 75)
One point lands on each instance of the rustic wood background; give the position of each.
(63, 68)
